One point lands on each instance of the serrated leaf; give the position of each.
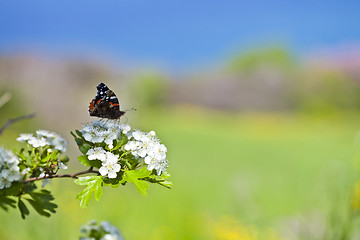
(79, 133)
(134, 175)
(89, 163)
(23, 209)
(94, 185)
(38, 208)
(84, 148)
(166, 184)
(84, 160)
(6, 202)
(41, 202)
(117, 145)
(79, 141)
(159, 180)
(73, 134)
(53, 155)
(165, 175)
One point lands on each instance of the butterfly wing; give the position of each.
(105, 104)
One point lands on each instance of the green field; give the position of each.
(255, 169)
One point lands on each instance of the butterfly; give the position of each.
(105, 104)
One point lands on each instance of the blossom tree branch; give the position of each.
(14, 120)
(74, 175)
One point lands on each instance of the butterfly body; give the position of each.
(105, 104)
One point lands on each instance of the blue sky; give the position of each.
(179, 33)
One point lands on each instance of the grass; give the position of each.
(258, 169)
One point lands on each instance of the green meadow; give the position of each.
(257, 170)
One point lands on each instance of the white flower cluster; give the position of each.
(99, 131)
(109, 231)
(9, 170)
(148, 147)
(44, 138)
(143, 146)
(110, 165)
(112, 232)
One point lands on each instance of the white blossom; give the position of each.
(105, 230)
(59, 143)
(46, 133)
(98, 131)
(109, 136)
(97, 153)
(62, 165)
(38, 142)
(4, 183)
(54, 139)
(112, 158)
(9, 169)
(25, 171)
(144, 146)
(110, 169)
(14, 173)
(24, 137)
(109, 237)
(125, 128)
(159, 165)
(44, 138)
(147, 146)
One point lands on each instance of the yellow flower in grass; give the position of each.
(230, 229)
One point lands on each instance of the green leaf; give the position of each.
(84, 148)
(165, 175)
(84, 160)
(23, 209)
(166, 184)
(73, 134)
(79, 141)
(89, 163)
(94, 184)
(41, 202)
(6, 202)
(134, 175)
(117, 145)
(53, 156)
(11, 191)
(79, 133)
(159, 180)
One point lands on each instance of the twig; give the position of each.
(14, 120)
(74, 175)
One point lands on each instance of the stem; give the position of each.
(14, 120)
(123, 154)
(128, 164)
(74, 175)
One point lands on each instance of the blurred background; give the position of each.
(257, 101)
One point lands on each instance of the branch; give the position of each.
(74, 175)
(14, 120)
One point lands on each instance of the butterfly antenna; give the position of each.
(126, 119)
(132, 109)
